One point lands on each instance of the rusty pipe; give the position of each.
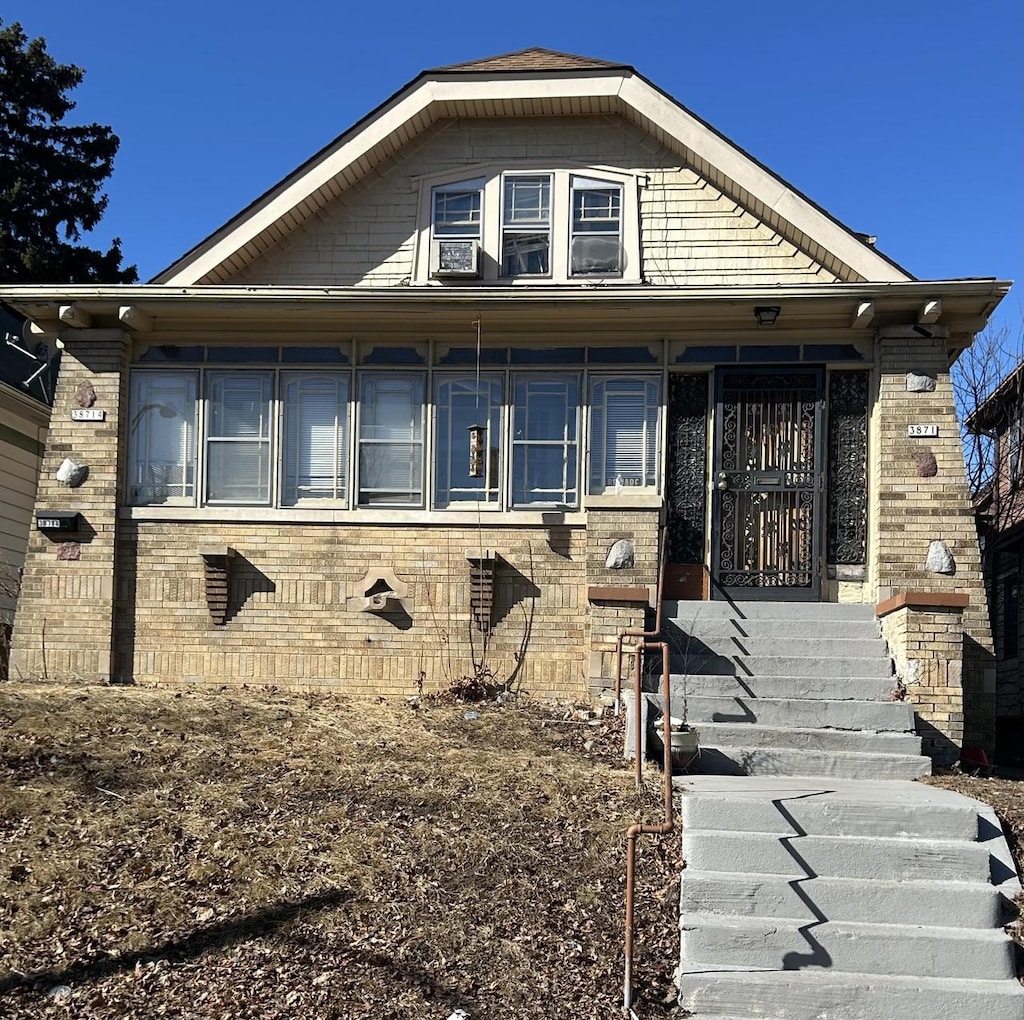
(668, 822)
(642, 633)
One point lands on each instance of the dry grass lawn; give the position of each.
(192, 853)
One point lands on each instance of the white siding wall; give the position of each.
(691, 232)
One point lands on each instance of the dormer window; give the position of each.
(532, 224)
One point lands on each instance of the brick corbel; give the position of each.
(217, 575)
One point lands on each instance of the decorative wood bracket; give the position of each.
(217, 574)
(481, 588)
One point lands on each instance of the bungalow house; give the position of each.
(442, 403)
(25, 391)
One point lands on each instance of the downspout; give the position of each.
(668, 823)
(642, 633)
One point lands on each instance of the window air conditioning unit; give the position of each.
(596, 254)
(455, 260)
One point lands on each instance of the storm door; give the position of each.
(766, 506)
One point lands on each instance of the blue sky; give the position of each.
(903, 118)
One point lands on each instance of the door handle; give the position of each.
(723, 482)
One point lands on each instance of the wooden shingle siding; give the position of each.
(691, 231)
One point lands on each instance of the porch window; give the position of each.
(526, 231)
(390, 447)
(462, 402)
(315, 437)
(162, 438)
(623, 433)
(545, 440)
(238, 437)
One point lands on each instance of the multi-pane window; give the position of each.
(315, 437)
(544, 439)
(238, 468)
(623, 433)
(162, 438)
(500, 438)
(596, 235)
(391, 439)
(526, 225)
(457, 208)
(467, 408)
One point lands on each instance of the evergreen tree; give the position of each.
(50, 172)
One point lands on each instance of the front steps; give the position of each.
(777, 688)
(810, 898)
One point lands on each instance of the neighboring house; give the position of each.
(382, 429)
(1000, 513)
(24, 414)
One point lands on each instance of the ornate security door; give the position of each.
(767, 484)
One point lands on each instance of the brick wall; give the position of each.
(917, 502)
(66, 608)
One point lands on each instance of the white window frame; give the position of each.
(163, 476)
(599, 480)
(341, 443)
(522, 443)
(492, 178)
(264, 440)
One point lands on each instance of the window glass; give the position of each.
(315, 437)
(623, 433)
(162, 437)
(391, 439)
(596, 239)
(545, 444)
(464, 403)
(456, 209)
(526, 218)
(238, 437)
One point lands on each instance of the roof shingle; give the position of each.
(533, 59)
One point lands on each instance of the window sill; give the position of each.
(624, 500)
(350, 518)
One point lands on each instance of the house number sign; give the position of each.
(88, 414)
(922, 431)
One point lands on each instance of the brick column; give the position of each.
(64, 625)
(618, 598)
(920, 498)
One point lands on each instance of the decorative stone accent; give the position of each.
(940, 559)
(85, 394)
(217, 575)
(621, 555)
(920, 383)
(378, 591)
(69, 551)
(71, 473)
(925, 463)
(850, 571)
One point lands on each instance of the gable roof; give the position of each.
(532, 82)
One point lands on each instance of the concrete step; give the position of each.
(880, 716)
(737, 894)
(783, 665)
(782, 761)
(795, 806)
(850, 947)
(776, 646)
(725, 992)
(714, 734)
(714, 627)
(683, 610)
(786, 688)
(864, 857)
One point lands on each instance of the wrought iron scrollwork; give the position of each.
(848, 468)
(687, 467)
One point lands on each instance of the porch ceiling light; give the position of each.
(766, 314)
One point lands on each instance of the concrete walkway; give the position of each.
(828, 899)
